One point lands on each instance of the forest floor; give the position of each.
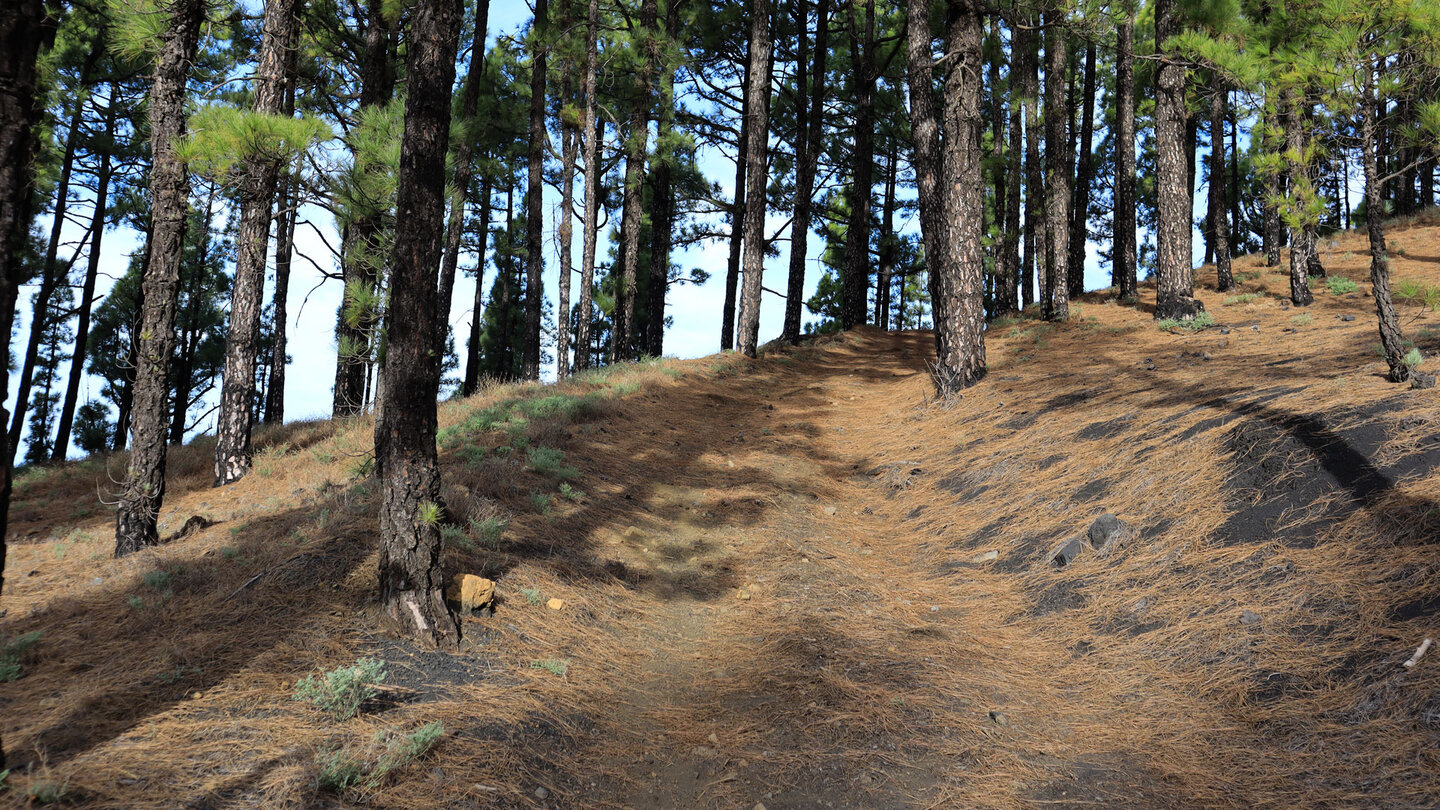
(798, 582)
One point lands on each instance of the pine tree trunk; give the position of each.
(1055, 305)
(757, 105)
(471, 382)
(139, 508)
(1219, 225)
(1175, 284)
(539, 142)
(1123, 248)
(1084, 175)
(1006, 286)
(411, 578)
(591, 233)
(737, 218)
(1392, 342)
(927, 160)
(637, 143)
(1294, 126)
(182, 367)
(287, 206)
(1029, 68)
(352, 362)
(810, 125)
(570, 153)
(1017, 290)
(958, 278)
(855, 276)
(662, 226)
(1238, 233)
(87, 294)
(887, 239)
(1271, 228)
(464, 170)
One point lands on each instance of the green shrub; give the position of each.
(1413, 358)
(342, 691)
(158, 580)
(1303, 319)
(11, 653)
(554, 666)
(454, 536)
(1242, 298)
(551, 462)
(532, 595)
(46, 792)
(1204, 320)
(488, 530)
(1339, 285)
(341, 769)
(570, 493)
(543, 502)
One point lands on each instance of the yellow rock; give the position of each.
(470, 592)
(555, 604)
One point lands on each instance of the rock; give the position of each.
(830, 510)
(1347, 318)
(1205, 356)
(999, 718)
(1224, 330)
(542, 794)
(743, 595)
(470, 592)
(985, 557)
(1255, 327)
(759, 806)
(1421, 380)
(713, 738)
(1108, 533)
(555, 604)
(1249, 617)
(1066, 552)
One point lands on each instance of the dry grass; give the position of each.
(778, 584)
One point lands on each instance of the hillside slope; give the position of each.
(798, 582)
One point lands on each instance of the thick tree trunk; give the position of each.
(637, 143)
(1219, 225)
(87, 293)
(1392, 342)
(591, 233)
(737, 219)
(1175, 282)
(139, 508)
(810, 126)
(927, 159)
(257, 195)
(464, 170)
(359, 264)
(855, 276)
(534, 198)
(757, 105)
(1123, 252)
(1055, 305)
(1010, 249)
(1084, 175)
(411, 579)
(1299, 183)
(1029, 68)
(1006, 284)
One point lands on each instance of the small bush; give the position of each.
(342, 691)
(158, 580)
(342, 769)
(12, 651)
(46, 792)
(1339, 285)
(488, 530)
(570, 493)
(533, 595)
(1416, 293)
(1413, 358)
(1242, 298)
(543, 502)
(1202, 321)
(455, 537)
(339, 770)
(551, 462)
(554, 666)
(1303, 319)
(430, 513)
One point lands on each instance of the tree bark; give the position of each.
(592, 190)
(637, 143)
(757, 105)
(1006, 284)
(1055, 305)
(662, 226)
(287, 206)
(1271, 237)
(1392, 342)
(534, 197)
(1175, 283)
(1123, 252)
(569, 154)
(464, 170)
(855, 276)
(1219, 224)
(471, 383)
(1029, 68)
(737, 218)
(810, 126)
(887, 238)
(139, 508)
(411, 579)
(1018, 290)
(1299, 184)
(1084, 175)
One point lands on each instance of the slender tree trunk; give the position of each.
(1004, 300)
(411, 579)
(1299, 183)
(1055, 306)
(887, 239)
(257, 196)
(1123, 252)
(288, 206)
(855, 277)
(1238, 234)
(1391, 340)
(1271, 227)
(637, 143)
(139, 508)
(1011, 248)
(87, 293)
(662, 224)
(737, 218)
(25, 30)
(534, 198)
(359, 264)
(570, 153)
(1218, 223)
(810, 126)
(1175, 282)
(1084, 175)
(757, 105)
(591, 227)
(52, 271)
(1029, 68)
(182, 367)
(464, 170)
(471, 382)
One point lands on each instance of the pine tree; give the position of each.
(757, 179)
